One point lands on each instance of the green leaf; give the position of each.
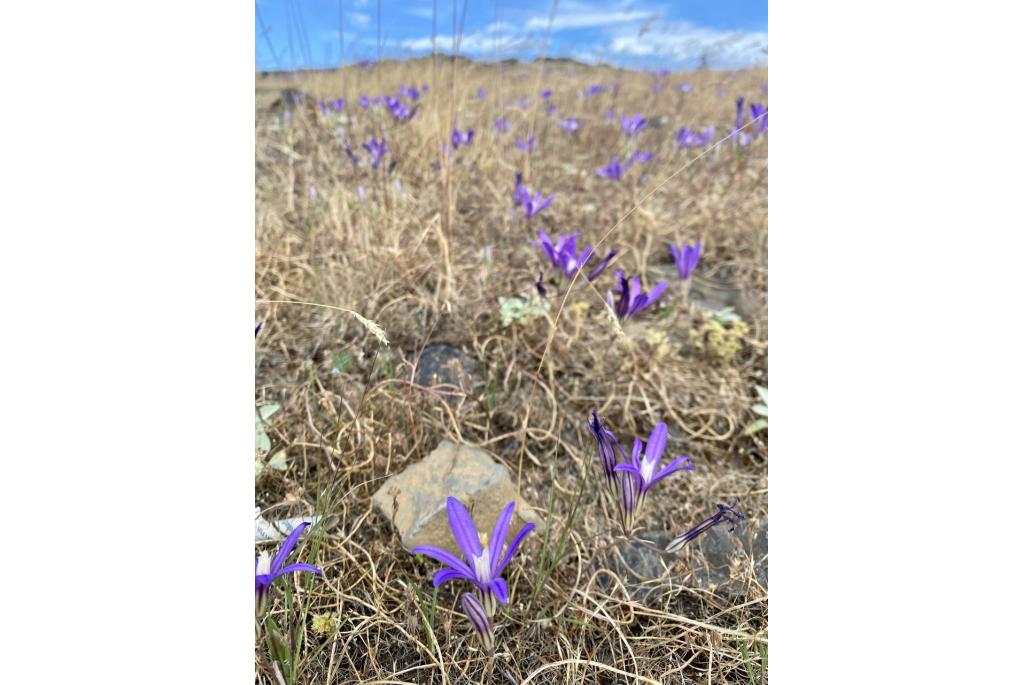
(760, 409)
(763, 392)
(267, 410)
(341, 361)
(756, 426)
(279, 461)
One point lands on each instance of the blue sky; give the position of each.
(631, 33)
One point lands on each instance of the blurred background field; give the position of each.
(425, 244)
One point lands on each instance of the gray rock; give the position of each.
(724, 558)
(713, 296)
(637, 565)
(442, 364)
(414, 500)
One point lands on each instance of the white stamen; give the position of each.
(482, 566)
(263, 564)
(647, 469)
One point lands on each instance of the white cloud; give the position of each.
(359, 19)
(685, 42)
(589, 19)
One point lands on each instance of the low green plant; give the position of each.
(280, 460)
(522, 309)
(761, 409)
(720, 336)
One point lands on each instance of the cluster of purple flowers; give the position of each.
(501, 125)
(562, 254)
(335, 105)
(530, 143)
(410, 92)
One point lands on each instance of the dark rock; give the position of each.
(442, 364)
(722, 559)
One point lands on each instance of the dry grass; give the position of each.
(413, 259)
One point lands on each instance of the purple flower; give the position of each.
(631, 125)
(258, 327)
(640, 157)
(267, 570)
(338, 104)
(612, 171)
(571, 124)
(562, 254)
(685, 87)
(646, 470)
(377, 150)
(461, 137)
(632, 299)
(687, 138)
(477, 616)
(485, 564)
(526, 145)
(609, 115)
(425, 88)
(759, 114)
(662, 73)
(725, 513)
(606, 446)
(364, 102)
(592, 90)
(686, 258)
(549, 109)
(481, 94)
(739, 118)
(525, 102)
(656, 87)
(532, 204)
(398, 109)
(546, 93)
(501, 124)
(409, 92)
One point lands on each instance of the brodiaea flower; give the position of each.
(377, 150)
(531, 204)
(606, 446)
(725, 513)
(631, 125)
(685, 87)
(645, 471)
(485, 564)
(612, 171)
(632, 299)
(571, 124)
(687, 138)
(526, 145)
(759, 114)
(562, 255)
(501, 124)
(686, 258)
(267, 570)
(640, 157)
(461, 137)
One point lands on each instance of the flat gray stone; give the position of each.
(725, 557)
(414, 500)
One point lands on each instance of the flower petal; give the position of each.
(463, 529)
(638, 446)
(516, 541)
(445, 574)
(444, 556)
(497, 541)
(286, 547)
(656, 445)
(678, 464)
(292, 568)
(500, 589)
